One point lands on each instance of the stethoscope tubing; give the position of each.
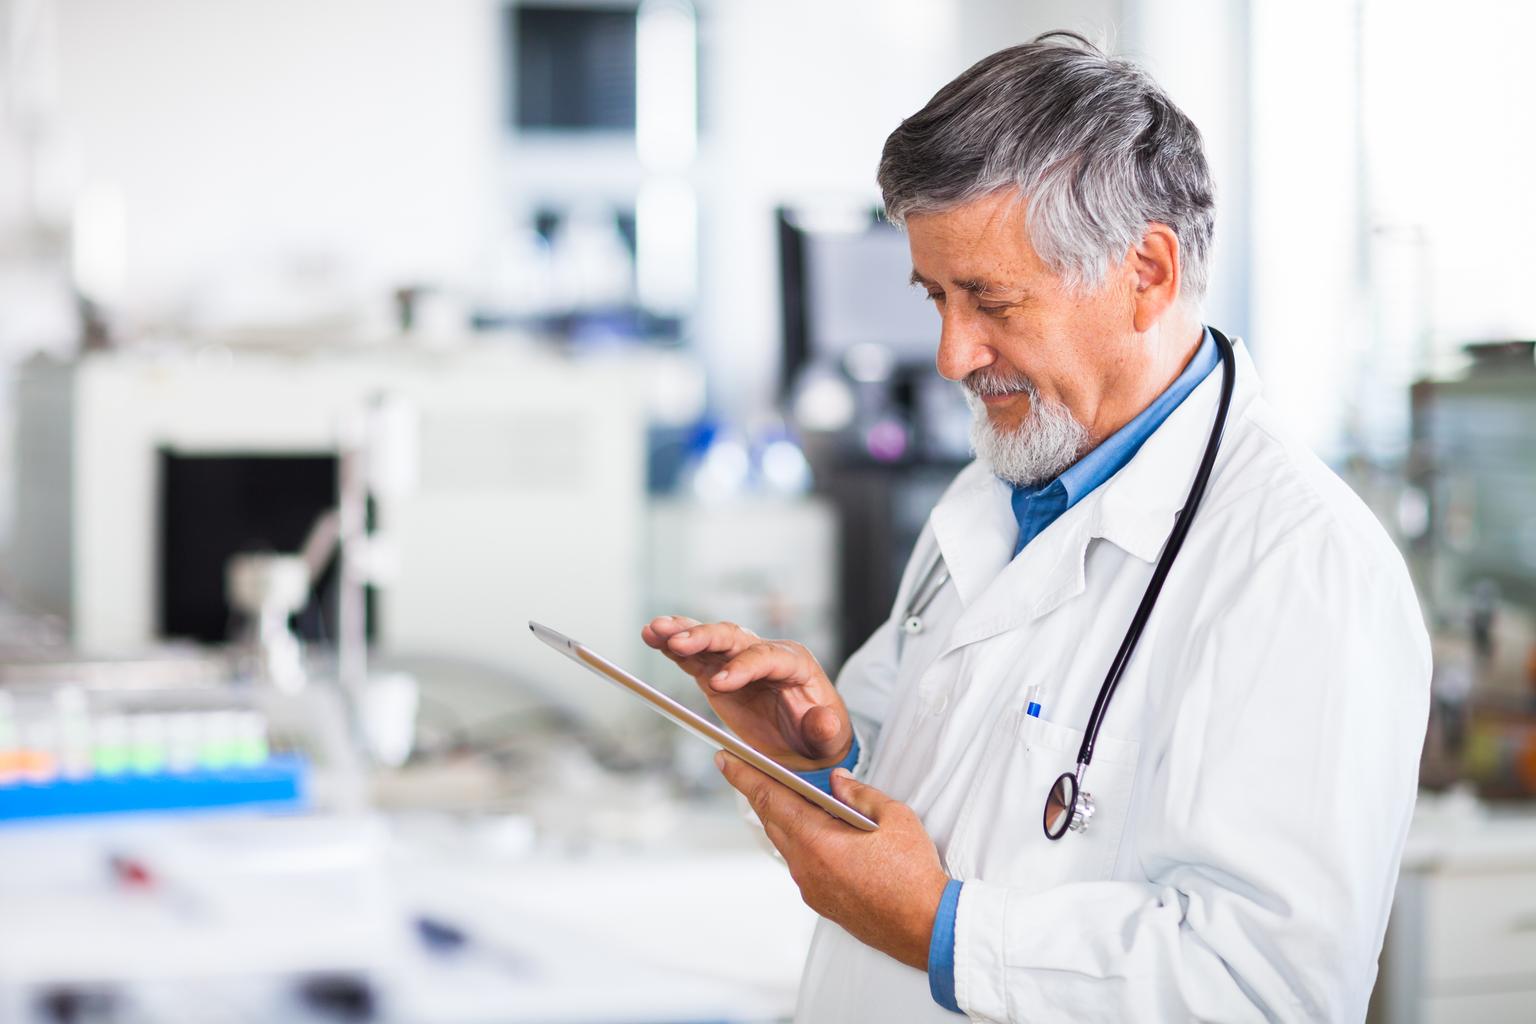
(928, 588)
(933, 582)
(1176, 537)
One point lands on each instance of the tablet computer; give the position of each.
(700, 726)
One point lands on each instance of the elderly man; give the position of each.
(1254, 774)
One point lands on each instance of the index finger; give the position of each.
(711, 638)
(659, 630)
(762, 659)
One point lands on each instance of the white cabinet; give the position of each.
(1461, 944)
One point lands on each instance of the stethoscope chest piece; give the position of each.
(1067, 806)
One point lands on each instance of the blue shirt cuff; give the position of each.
(941, 949)
(822, 778)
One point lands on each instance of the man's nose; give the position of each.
(962, 347)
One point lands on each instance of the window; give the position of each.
(573, 68)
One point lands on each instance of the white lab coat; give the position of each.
(1254, 777)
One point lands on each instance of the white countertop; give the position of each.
(1455, 831)
(686, 929)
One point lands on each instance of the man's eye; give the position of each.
(993, 310)
(935, 296)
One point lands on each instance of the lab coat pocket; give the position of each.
(1000, 837)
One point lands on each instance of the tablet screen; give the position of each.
(697, 724)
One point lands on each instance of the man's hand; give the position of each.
(772, 693)
(882, 887)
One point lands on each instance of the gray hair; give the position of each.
(1092, 142)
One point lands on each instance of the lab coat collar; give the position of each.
(1136, 507)
(1134, 510)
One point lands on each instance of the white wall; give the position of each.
(1450, 146)
(345, 136)
(258, 147)
(1197, 50)
(987, 26)
(1308, 287)
(1391, 200)
(362, 138)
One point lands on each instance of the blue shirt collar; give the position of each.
(1037, 507)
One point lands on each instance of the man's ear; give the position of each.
(1156, 261)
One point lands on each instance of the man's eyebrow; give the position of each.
(976, 286)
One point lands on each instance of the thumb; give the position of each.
(823, 731)
(865, 799)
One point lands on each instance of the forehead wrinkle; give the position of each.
(985, 234)
(1000, 230)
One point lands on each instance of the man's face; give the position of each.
(1012, 331)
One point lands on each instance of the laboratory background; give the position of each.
(341, 338)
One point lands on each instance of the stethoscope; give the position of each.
(923, 594)
(1068, 806)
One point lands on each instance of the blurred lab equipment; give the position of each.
(714, 462)
(1477, 466)
(269, 589)
(278, 900)
(142, 473)
(769, 563)
(295, 916)
(591, 261)
(1473, 468)
(849, 307)
(80, 738)
(594, 274)
(883, 433)
(242, 911)
(70, 751)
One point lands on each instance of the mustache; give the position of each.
(990, 381)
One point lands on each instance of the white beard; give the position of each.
(1039, 449)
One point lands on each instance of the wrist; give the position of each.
(919, 941)
(844, 758)
(821, 777)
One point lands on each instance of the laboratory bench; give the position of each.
(415, 918)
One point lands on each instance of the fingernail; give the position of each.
(841, 773)
(720, 759)
(719, 677)
(681, 635)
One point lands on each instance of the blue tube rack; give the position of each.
(278, 784)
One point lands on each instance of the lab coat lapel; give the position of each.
(1134, 510)
(1045, 575)
(975, 530)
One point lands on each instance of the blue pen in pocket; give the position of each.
(1034, 699)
